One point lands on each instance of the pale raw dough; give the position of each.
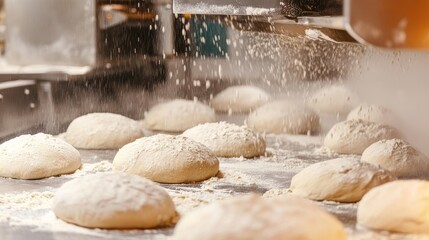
(254, 218)
(398, 157)
(102, 131)
(335, 99)
(114, 201)
(239, 99)
(37, 156)
(178, 115)
(354, 136)
(282, 117)
(167, 159)
(228, 140)
(371, 113)
(341, 180)
(400, 206)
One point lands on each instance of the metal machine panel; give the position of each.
(19, 106)
(51, 32)
(226, 7)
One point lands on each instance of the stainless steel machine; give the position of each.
(64, 58)
(67, 48)
(391, 24)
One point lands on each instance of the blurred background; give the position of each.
(61, 59)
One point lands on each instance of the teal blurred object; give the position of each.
(210, 37)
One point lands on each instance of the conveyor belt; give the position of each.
(22, 218)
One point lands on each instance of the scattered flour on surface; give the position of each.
(89, 168)
(270, 175)
(26, 200)
(273, 193)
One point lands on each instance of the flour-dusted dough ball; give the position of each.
(282, 117)
(102, 131)
(240, 99)
(354, 136)
(114, 201)
(178, 115)
(167, 159)
(371, 113)
(398, 157)
(335, 99)
(254, 218)
(228, 140)
(340, 180)
(400, 206)
(37, 156)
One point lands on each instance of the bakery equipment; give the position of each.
(122, 56)
(83, 37)
(398, 24)
(138, 52)
(315, 40)
(88, 44)
(79, 50)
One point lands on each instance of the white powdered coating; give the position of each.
(341, 180)
(114, 201)
(228, 140)
(273, 193)
(27, 200)
(204, 8)
(102, 131)
(400, 206)
(371, 113)
(398, 157)
(354, 136)
(224, 9)
(178, 115)
(87, 168)
(37, 156)
(254, 218)
(211, 190)
(167, 159)
(335, 99)
(284, 117)
(259, 11)
(240, 99)
(188, 197)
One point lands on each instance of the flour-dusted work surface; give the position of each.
(25, 206)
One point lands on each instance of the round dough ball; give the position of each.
(398, 157)
(167, 159)
(102, 131)
(340, 180)
(371, 113)
(335, 99)
(281, 117)
(228, 140)
(400, 206)
(354, 136)
(240, 99)
(114, 201)
(178, 115)
(37, 156)
(254, 218)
